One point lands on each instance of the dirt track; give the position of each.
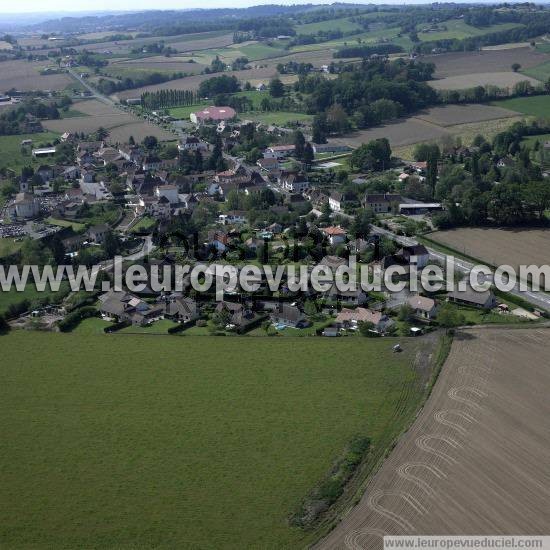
(477, 459)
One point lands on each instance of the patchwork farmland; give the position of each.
(476, 454)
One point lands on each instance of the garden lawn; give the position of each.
(121, 441)
(537, 105)
(158, 327)
(75, 226)
(92, 325)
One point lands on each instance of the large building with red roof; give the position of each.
(212, 114)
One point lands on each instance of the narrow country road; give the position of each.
(91, 89)
(538, 299)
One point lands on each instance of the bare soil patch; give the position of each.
(501, 79)
(499, 246)
(462, 114)
(161, 63)
(402, 132)
(475, 460)
(485, 61)
(25, 76)
(139, 130)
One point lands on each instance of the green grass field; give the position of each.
(121, 441)
(538, 105)
(371, 37)
(260, 51)
(540, 72)
(343, 24)
(184, 112)
(75, 226)
(92, 325)
(9, 246)
(11, 155)
(458, 29)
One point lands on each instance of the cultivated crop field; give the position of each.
(499, 246)
(25, 76)
(402, 132)
(505, 79)
(462, 114)
(538, 106)
(121, 125)
(475, 460)
(157, 63)
(173, 442)
(182, 43)
(485, 61)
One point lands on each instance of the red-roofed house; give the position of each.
(335, 234)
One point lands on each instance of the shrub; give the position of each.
(75, 317)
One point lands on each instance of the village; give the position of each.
(163, 204)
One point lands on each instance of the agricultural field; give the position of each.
(25, 76)
(343, 24)
(182, 43)
(540, 72)
(538, 106)
(506, 79)
(485, 61)
(498, 246)
(193, 82)
(317, 58)
(14, 157)
(451, 115)
(457, 28)
(120, 125)
(466, 131)
(475, 459)
(159, 63)
(129, 441)
(139, 130)
(388, 34)
(402, 132)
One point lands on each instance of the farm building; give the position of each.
(43, 152)
(417, 208)
(470, 297)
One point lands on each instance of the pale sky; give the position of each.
(34, 6)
